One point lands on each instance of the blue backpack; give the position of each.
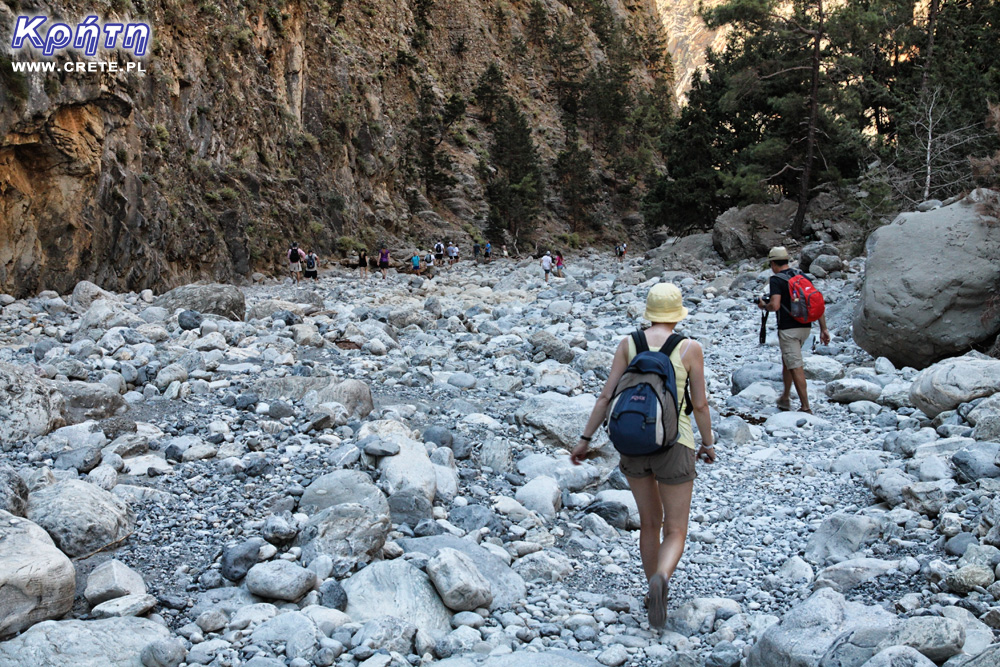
(644, 413)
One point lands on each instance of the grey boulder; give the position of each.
(223, 300)
(112, 642)
(396, 588)
(824, 630)
(280, 580)
(458, 581)
(917, 312)
(81, 518)
(29, 406)
(948, 384)
(37, 581)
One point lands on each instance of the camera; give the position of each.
(757, 299)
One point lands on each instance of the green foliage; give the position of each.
(52, 86)
(574, 174)
(15, 83)
(121, 155)
(405, 59)
(430, 128)
(489, 89)
(745, 133)
(572, 240)
(538, 22)
(348, 245)
(515, 186)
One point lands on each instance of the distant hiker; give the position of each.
(295, 259)
(503, 249)
(620, 251)
(439, 253)
(560, 265)
(452, 253)
(476, 249)
(659, 464)
(312, 266)
(488, 251)
(363, 263)
(794, 323)
(415, 261)
(547, 264)
(383, 261)
(429, 259)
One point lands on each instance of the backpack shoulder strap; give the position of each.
(672, 343)
(639, 338)
(668, 349)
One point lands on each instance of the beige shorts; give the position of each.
(674, 466)
(790, 341)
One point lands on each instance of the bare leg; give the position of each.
(798, 377)
(647, 497)
(786, 379)
(676, 502)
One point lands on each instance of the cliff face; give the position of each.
(688, 38)
(261, 123)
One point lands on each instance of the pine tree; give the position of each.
(573, 170)
(514, 183)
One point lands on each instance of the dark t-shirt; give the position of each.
(780, 286)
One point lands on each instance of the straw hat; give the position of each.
(664, 304)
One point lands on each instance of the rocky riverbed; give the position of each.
(376, 473)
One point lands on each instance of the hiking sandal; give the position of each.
(784, 406)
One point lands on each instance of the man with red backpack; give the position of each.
(798, 304)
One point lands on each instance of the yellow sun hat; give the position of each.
(664, 304)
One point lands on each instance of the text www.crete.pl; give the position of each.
(89, 66)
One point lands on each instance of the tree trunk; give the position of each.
(800, 212)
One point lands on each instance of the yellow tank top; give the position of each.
(685, 432)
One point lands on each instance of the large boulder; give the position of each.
(354, 395)
(458, 581)
(85, 293)
(507, 586)
(842, 534)
(742, 233)
(949, 383)
(343, 486)
(348, 533)
(81, 518)
(111, 642)
(409, 469)
(825, 629)
(29, 406)
(223, 300)
(396, 588)
(559, 417)
(37, 581)
(89, 400)
(915, 311)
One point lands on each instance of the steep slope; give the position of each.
(688, 38)
(258, 123)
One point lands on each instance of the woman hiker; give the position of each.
(363, 263)
(383, 261)
(661, 483)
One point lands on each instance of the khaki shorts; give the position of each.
(790, 341)
(674, 466)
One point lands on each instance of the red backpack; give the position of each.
(807, 301)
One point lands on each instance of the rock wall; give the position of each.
(257, 123)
